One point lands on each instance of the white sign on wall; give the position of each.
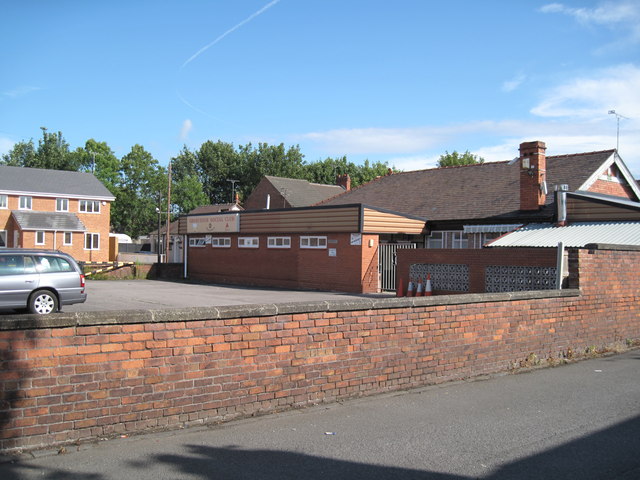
(225, 223)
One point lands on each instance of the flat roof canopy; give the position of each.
(356, 218)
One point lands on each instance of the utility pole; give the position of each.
(167, 241)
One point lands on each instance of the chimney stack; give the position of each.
(533, 170)
(344, 181)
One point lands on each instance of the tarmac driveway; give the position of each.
(104, 295)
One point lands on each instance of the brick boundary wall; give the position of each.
(66, 378)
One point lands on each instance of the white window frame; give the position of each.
(24, 202)
(62, 204)
(83, 206)
(454, 239)
(221, 242)
(42, 241)
(95, 239)
(313, 242)
(4, 202)
(3, 238)
(279, 242)
(248, 242)
(64, 238)
(197, 241)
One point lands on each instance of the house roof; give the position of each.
(40, 181)
(575, 235)
(220, 207)
(487, 191)
(301, 193)
(67, 222)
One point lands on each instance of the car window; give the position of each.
(11, 264)
(46, 264)
(29, 265)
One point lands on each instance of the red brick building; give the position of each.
(54, 209)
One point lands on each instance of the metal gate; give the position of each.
(387, 264)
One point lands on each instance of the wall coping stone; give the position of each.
(119, 317)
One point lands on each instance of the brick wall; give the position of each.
(78, 377)
(258, 198)
(354, 268)
(615, 188)
(476, 259)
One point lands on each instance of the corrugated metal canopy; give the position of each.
(574, 235)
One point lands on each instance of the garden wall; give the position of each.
(72, 377)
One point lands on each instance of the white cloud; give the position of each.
(20, 91)
(588, 97)
(187, 125)
(622, 17)
(514, 83)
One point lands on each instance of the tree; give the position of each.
(98, 158)
(141, 189)
(454, 159)
(325, 171)
(52, 152)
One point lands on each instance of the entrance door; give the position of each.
(387, 264)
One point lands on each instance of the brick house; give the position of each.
(55, 209)
(278, 192)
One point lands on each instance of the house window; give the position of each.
(68, 238)
(197, 242)
(89, 206)
(25, 203)
(248, 242)
(313, 242)
(3, 239)
(279, 242)
(448, 239)
(92, 241)
(62, 204)
(3, 201)
(221, 242)
(40, 237)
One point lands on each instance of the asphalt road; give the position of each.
(579, 421)
(156, 294)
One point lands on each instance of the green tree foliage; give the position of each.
(454, 159)
(52, 152)
(141, 189)
(199, 177)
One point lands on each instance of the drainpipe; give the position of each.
(185, 245)
(560, 265)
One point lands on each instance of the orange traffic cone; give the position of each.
(419, 290)
(410, 289)
(427, 289)
(400, 289)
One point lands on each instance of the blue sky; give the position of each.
(399, 81)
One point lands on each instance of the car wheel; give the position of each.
(43, 302)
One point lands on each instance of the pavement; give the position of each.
(577, 421)
(104, 295)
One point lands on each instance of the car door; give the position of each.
(60, 275)
(18, 278)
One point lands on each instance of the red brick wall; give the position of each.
(70, 383)
(353, 269)
(258, 198)
(476, 259)
(613, 188)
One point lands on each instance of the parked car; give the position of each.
(39, 280)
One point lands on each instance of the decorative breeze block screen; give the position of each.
(514, 279)
(454, 278)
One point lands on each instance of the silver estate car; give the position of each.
(39, 280)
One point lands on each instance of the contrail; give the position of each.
(231, 30)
